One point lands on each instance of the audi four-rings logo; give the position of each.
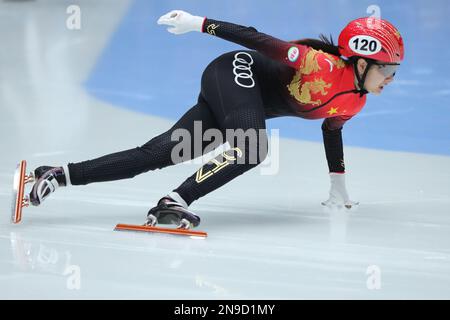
(242, 70)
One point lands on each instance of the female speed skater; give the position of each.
(309, 78)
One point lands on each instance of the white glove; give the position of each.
(181, 22)
(338, 192)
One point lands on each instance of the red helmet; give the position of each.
(372, 38)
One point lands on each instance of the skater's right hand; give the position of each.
(338, 193)
(181, 22)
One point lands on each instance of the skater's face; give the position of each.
(378, 76)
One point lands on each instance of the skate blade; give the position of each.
(181, 232)
(18, 192)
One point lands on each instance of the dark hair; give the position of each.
(326, 45)
(323, 43)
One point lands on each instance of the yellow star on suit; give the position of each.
(332, 111)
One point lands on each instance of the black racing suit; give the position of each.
(239, 90)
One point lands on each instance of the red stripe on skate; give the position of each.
(183, 232)
(19, 199)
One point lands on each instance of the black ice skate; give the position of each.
(168, 211)
(48, 179)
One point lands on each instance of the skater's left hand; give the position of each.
(181, 22)
(338, 193)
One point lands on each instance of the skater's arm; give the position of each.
(280, 50)
(332, 140)
(181, 22)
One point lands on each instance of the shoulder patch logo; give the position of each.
(293, 54)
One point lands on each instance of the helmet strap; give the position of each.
(362, 79)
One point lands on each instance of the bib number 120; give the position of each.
(365, 45)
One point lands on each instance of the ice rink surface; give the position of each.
(71, 95)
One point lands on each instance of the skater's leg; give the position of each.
(242, 157)
(155, 154)
(237, 103)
